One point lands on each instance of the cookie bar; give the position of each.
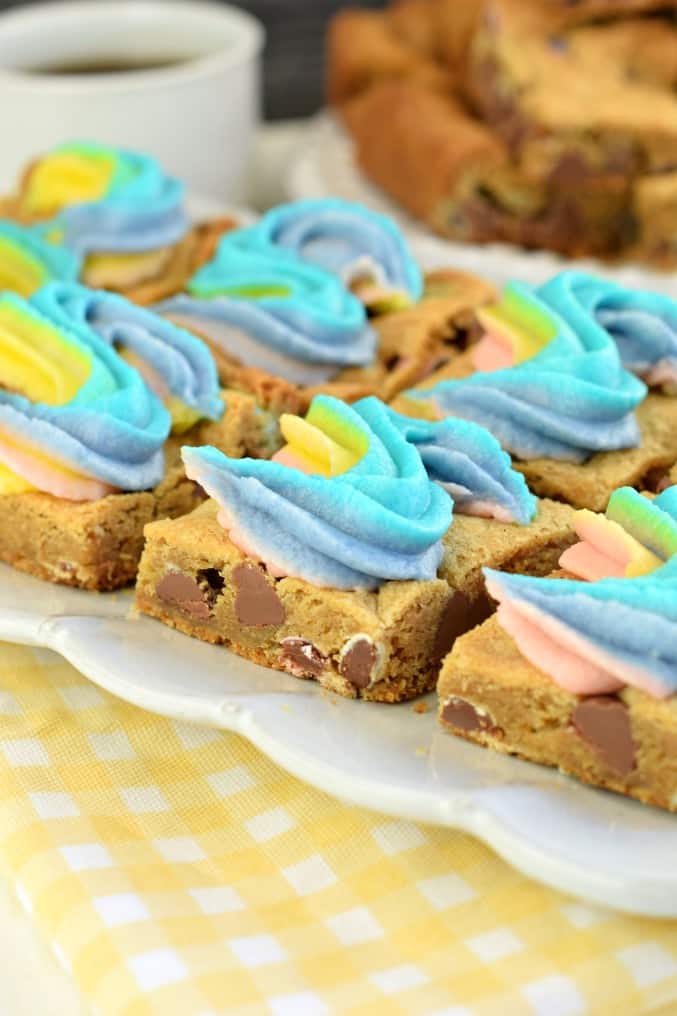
(97, 544)
(475, 543)
(381, 646)
(590, 484)
(623, 742)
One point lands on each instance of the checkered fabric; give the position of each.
(177, 871)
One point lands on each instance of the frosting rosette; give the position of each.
(28, 262)
(268, 309)
(635, 536)
(642, 324)
(366, 250)
(469, 463)
(93, 197)
(592, 638)
(75, 420)
(176, 365)
(381, 519)
(569, 400)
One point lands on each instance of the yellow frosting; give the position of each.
(65, 178)
(616, 542)
(314, 448)
(36, 361)
(20, 272)
(11, 483)
(106, 270)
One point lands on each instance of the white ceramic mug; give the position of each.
(197, 114)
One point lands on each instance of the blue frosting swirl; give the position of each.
(113, 429)
(570, 400)
(632, 622)
(268, 309)
(344, 238)
(643, 325)
(383, 519)
(469, 463)
(142, 210)
(182, 361)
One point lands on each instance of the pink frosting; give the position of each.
(569, 658)
(492, 353)
(591, 563)
(49, 478)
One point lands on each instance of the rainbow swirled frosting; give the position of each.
(365, 249)
(75, 420)
(635, 536)
(28, 262)
(643, 325)
(464, 459)
(93, 197)
(177, 366)
(568, 397)
(266, 308)
(379, 518)
(592, 638)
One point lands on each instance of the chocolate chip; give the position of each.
(458, 616)
(357, 661)
(256, 602)
(212, 582)
(655, 480)
(603, 722)
(183, 592)
(301, 658)
(459, 713)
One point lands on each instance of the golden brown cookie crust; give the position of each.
(516, 709)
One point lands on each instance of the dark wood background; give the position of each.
(294, 60)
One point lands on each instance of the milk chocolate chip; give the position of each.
(183, 592)
(301, 658)
(459, 713)
(458, 616)
(603, 722)
(256, 602)
(357, 661)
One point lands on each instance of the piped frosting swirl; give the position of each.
(381, 519)
(268, 309)
(176, 365)
(366, 250)
(93, 197)
(75, 420)
(571, 399)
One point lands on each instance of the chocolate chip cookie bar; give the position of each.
(97, 544)
(383, 646)
(623, 741)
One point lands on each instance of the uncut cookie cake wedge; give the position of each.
(330, 561)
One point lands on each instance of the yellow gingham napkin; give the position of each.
(176, 871)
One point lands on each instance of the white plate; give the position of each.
(594, 845)
(325, 165)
